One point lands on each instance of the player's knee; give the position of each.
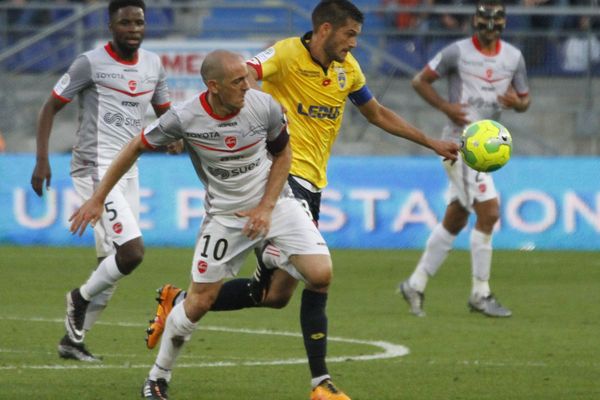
(320, 278)
(196, 305)
(488, 221)
(129, 258)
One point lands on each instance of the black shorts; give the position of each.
(311, 199)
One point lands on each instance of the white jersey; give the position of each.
(229, 153)
(477, 79)
(114, 96)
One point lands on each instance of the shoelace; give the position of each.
(330, 386)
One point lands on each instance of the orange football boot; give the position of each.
(166, 299)
(326, 390)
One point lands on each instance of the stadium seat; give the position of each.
(159, 21)
(434, 46)
(39, 57)
(232, 22)
(409, 51)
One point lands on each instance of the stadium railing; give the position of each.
(38, 41)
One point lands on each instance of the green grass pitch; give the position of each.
(549, 349)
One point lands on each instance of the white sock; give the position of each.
(272, 256)
(314, 382)
(481, 263)
(96, 306)
(437, 248)
(178, 329)
(105, 276)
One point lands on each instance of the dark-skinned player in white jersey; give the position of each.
(485, 75)
(114, 84)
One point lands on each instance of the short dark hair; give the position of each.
(115, 5)
(336, 12)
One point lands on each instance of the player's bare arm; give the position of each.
(511, 99)
(394, 124)
(259, 218)
(92, 209)
(423, 85)
(42, 171)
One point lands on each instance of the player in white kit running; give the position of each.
(485, 75)
(237, 140)
(114, 84)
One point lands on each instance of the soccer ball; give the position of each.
(486, 145)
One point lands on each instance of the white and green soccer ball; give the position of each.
(486, 145)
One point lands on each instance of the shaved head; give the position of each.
(218, 63)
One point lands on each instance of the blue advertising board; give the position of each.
(370, 202)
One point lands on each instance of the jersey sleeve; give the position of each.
(445, 61)
(277, 134)
(77, 78)
(266, 64)
(161, 96)
(519, 81)
(166, 129)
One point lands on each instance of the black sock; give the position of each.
(234, 295)
(314, 330)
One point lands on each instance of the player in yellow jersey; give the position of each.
(312, 77)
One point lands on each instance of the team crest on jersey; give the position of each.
(132, 85)
(118, 228)
(202, 266)
(489, 72)
(341, 77)
(62, 84)
(230, 141)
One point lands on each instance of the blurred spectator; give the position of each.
(582, 49)
(536, 48)
(405, 20)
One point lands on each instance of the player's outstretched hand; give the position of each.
(41, 173)
(448, 150)
(259, 221)
(89, 213)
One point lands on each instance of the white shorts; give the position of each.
(120, 220)
(467, 185)
(221, 248)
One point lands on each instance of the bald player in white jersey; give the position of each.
(238, 142)
(114, 84)
(485, 75)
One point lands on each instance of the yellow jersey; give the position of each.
(313, 97)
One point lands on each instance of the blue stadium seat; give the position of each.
(96, 20)
(517, 23)
(39, 57)
(159, 21)
(434, 46)
(408, 50)
(57, 14)
(362, 56)
(236, 22)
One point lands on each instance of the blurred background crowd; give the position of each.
(559, 39)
